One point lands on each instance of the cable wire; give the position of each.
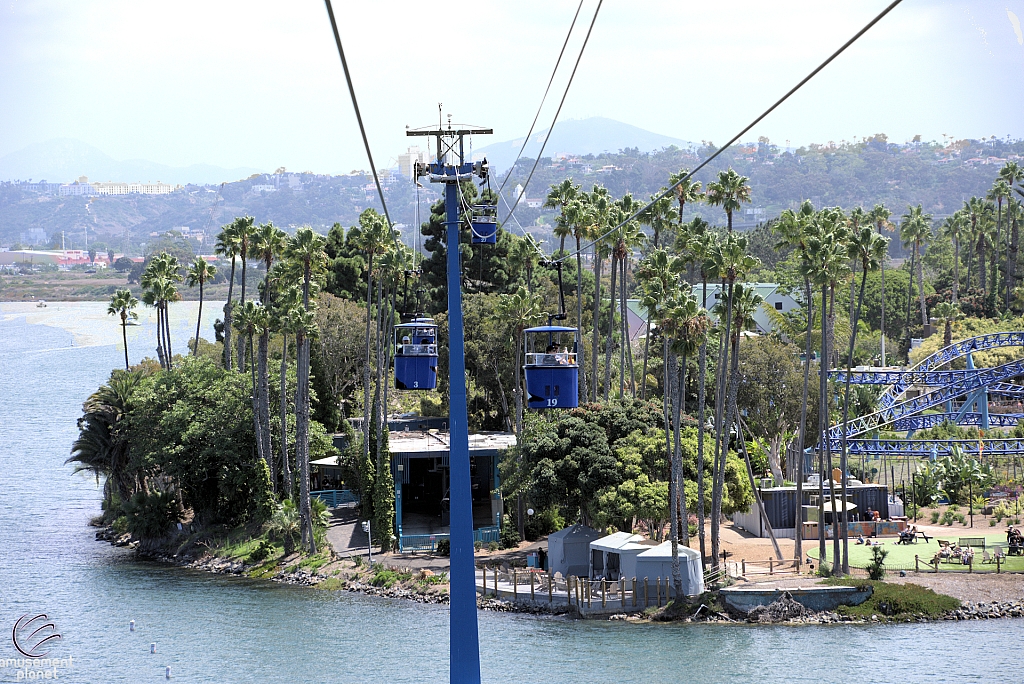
(756, 121)
(557, 112)
(542, 99)
(359, 117)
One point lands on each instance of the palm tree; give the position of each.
(197, 274)
(728, 192)
(955, 227)
(687, 192)
(659, 216)
(947, 312)
(1012, 213)
(123, 303)
(559, 197)
(915, 231)
(289, 311)
(979, 213)
(880, 215)
(600, 202)
(1012, 173)
(373, 238)
(792, 229)
(687, 324)
(520, 309)
(268, 242)
(228, 241)
(523, 257)
(246, 234)
(999, 192)
(306, 250)
(581, 217)
(630, 237)
(158, 282)
(867, 248)
(250, 320)
(730, 262)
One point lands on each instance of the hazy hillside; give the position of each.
(64, 159)
(866, 173)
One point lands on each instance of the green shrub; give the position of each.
(120, 525)
(991, 523)
(953, 507)
(358, 561)
(260, 553)
(935, 517)
(509, 534)
(492, 546)
(897, 601)
(385, 578)
(444, 547)
(150, 516)
(876, 568)
(478, 545)
(961, 519)
(948, 517)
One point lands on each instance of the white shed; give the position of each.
(615, 556)
(569, 550)
(657, 562)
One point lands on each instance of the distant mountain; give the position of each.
(63, 160)
(578, 136)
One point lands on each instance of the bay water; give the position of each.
(215, 629)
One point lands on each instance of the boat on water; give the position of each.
(41, 304)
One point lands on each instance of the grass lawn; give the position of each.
(901, 556)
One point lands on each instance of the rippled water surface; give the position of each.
(215, 629)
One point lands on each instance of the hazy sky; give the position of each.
(259, 83)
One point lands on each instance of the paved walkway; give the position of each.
(344, 533)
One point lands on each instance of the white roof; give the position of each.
(622, 541)
(329, 461)
(664, 550)
(436, 442)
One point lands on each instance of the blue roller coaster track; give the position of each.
(963, 394)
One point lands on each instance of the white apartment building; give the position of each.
(83, 187)
(408, 159)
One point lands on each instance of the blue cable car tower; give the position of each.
(451, 168)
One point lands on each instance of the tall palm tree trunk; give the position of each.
(956, 270)
(731, 413)
(702, 368)
(822, 421)
(240, 346)
(672, 478)
(257, 417)
(580, 360)
(286, 470)
(981, 264)
(910, 288)
(597, 317)
(1011, 259)
(623, 331)
(302, 438)
(263, 394)
(920, 290)
(846, 414)
(611, 329)
(679, 500)
(167, 332)
(227, 317)
(124, 337)
(366, 365)
(721, 436)
(798, 536)
(199, 320)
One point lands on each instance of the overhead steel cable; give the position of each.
(753, 123)
(544, 98)
(557, 112)
(359, 117)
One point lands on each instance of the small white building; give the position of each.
(615, 555)
(569, 550)
(657, 562)
(773, 299)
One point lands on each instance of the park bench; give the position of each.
(922, 535)
(976, 542)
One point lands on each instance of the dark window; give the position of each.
(778, 306)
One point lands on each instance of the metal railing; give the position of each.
(555, 359)
(336, 497)
(428, 542)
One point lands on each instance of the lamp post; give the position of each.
(369, 540)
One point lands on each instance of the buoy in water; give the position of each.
(167, 672)
(152, 648)
(131, 625)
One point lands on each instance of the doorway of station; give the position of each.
(425, 496)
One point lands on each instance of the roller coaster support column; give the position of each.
(450, 168)
(980, 398)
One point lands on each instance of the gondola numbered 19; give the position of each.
(552, 373)
(416, 355)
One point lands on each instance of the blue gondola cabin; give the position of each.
(485, 224)
(416, 355)
(552, 373)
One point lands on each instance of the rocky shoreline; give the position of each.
(785, 611)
